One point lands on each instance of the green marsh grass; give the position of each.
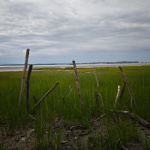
(70, 110)
(116, 135)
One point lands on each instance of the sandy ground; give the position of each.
(20, 68)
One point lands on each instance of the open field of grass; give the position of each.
(63, 105)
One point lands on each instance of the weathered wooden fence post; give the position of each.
(77, 82)
(129, 88)
(122, 90)
(23, 76)
(38, 103)
(96, 77)
(117, 96)
(28, 85)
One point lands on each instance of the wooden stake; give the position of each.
(118, 93)
(23, 76)
(96, 77)
(100, 117)
(28, 85)
(38, 103)
(141, 120)
(122, 90)
(124, 148)
(77, 82)
(129, 88)
(144, 122)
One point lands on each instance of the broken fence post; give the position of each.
(96, 77)
(23, 76)
(38, 103)
(28, 85)
(124, 148)
(117, 96)
(100, 117)
(122, 90)
(141, 120)
(129, 88)
(77, 82)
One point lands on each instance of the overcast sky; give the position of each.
(59, 31)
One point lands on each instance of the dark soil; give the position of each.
(73, 136)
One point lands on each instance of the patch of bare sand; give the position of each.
(20, 68)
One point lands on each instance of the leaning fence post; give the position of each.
(96, 77)
(38, 103)
(23, 76)
(77, 81)
(129, 88)
(122, 90)
(27, 86)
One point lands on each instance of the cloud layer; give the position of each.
(85, 30)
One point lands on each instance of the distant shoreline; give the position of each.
(10, 68)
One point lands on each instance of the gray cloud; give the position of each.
(71, 28)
